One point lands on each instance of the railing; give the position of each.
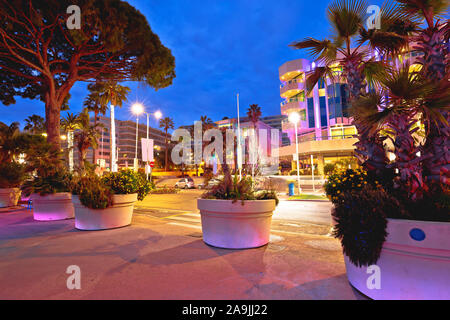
(335, 137)
(302, 99)
(297, 80)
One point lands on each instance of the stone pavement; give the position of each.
(155, 258)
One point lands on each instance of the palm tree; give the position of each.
(114, 94)
(35, 124)
(69, 124)
(93, 104)
(254, 114)
(432, 41)
(85, 137)
(166, 123)
(411, 98)
(8, 141)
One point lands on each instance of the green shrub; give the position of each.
(164, 190)
(329, 168)
(54, 181)
(342, 181)
(127, 182)
(12, 175)
(93, 193)
(361, 222)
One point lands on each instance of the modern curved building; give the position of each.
(325, 130)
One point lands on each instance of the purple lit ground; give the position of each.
(162, 256)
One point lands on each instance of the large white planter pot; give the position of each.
(57, 206)
(414, 263)
(9, 197)
(115, 216)
(235, 226)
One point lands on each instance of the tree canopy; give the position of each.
(41, 58)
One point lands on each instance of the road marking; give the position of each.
(184, 225)
(185, 219)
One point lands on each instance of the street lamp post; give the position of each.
(294, 118)
(138, 109)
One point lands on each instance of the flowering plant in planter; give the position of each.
(235, 215)
(107, 202)
(97, 192)
(399, 104)
(235, 189)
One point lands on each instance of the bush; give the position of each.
(348, 180)
(127, 182)
(57, 180)
(165, 190)
(93, 193)
(328, 168)
(361, 222)
(12, 175)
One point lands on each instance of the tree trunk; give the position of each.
(52, 118)
(70, 147)
(166, 160)
(94, 158)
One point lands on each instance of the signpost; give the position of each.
(147, 155)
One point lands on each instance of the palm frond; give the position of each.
(320, 50)
(346, 16)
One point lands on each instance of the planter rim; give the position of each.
(52, 196)
(118, 200)
(416, 221)
(238, 201)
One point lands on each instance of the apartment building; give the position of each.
(125, 142)
(325, 130)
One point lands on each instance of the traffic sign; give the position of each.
(152, 164)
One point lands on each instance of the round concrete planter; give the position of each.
(57, 206)
(235, 226)
(9, 197)
(116, 216)
(414, 263)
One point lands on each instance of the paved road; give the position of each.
(290, 217)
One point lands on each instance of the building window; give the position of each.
(311, 120)
(323, 112)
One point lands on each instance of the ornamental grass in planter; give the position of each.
(107, 202)
(234, 215)
(12, 175)
(48, 183)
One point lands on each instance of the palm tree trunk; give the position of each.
(94, 158)
(70, 147)
(112, 139)
(166, 157)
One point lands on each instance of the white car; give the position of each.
(211, 183)
(185, 183)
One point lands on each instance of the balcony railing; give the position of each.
(296, 80)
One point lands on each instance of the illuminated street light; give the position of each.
(294, 118)
(138, 109)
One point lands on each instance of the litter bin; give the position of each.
(291, 189)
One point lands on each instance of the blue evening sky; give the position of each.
(221, 47)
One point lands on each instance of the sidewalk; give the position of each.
(152, 259)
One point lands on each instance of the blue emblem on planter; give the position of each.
(417, 234)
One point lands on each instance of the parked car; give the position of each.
(185, 183)
(211, 183)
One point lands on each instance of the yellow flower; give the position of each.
(334, 185)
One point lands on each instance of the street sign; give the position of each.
(147, 149)
(152, 164)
